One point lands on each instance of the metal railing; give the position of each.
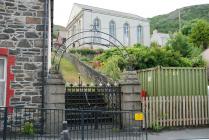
(28, 123)
(105, 125)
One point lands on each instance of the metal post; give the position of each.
(79, 79)
(64, 125)
(82, 125)
(120, 94)
(5, 124)
(96, 120)
(145, 119)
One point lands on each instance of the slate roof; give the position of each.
(107, 11)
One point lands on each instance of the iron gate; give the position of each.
(103, 98)
(93, 97)
(94, 112)
(105, 125)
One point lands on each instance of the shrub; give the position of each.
(28, 128)
(144, 57)
(85, 59)
(86, 51)
(179, 42)
(111, 67)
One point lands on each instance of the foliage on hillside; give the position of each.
(170, 23)
(56, 29)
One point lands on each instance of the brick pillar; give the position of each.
(130, 100)
(54, 100)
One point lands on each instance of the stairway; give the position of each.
(86, 105)
(84, 101)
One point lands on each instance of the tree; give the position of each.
(187, 27)
(180, 43)
(200, 34)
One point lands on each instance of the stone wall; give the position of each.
(88, 71)
(21, 31)
(130, 100)
(55, 100)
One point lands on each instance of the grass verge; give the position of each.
(70, 73)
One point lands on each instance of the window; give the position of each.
(126, 34)
(97, 27)
(79, 29)
(112, 30)
(139, 34)
(2, 81)
(74, 32)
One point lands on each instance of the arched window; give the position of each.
(73, 32)
(126, 34)
(139, 34)
(97, 24)
(112, 30)
(97, 27)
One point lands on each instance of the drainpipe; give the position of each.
(43, 63)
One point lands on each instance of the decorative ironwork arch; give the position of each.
(59, 53)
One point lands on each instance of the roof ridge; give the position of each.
(98, 8)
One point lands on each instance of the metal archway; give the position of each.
(59, 53)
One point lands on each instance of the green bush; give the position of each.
(86, 51)
(28, 128)
(85, 59)
(156, 127)
(111, 67)
(179, 42)
(144, 57)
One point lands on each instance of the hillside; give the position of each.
(170, 22)
(57, 28)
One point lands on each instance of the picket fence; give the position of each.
(170, 111)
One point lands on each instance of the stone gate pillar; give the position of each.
(54, 100)
(130, 100)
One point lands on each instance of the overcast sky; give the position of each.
(144, 8)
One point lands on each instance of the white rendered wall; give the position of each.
(88, 18)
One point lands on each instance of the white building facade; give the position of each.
(129, 29)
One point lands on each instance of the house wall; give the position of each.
(21, 31)
(119, 21)
(87, 22)
(159, 39)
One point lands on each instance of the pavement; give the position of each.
(181, 134)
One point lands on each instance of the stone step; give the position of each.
(84, 100)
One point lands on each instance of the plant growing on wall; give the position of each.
(111, 67)
(29, 128)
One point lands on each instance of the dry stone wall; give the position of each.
(21, 31)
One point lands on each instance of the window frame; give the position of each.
(112, 31)
(112, 24)
(139, 34)
(5, 79)
(97, 28)
(128, 34)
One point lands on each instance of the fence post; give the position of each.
(120, 95)
(96, 120)
(82, 125)
(5, 124)
(65, 132)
